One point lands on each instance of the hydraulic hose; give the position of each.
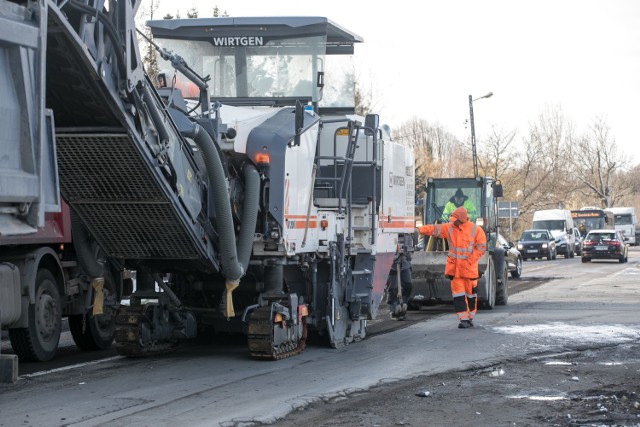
(232, 265)
(249, 213)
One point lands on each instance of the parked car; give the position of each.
(537, 243)
(605, 244)
(579, 238)
(512, 255)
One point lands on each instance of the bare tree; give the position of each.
(363, 99)
(217, 12)
(150, 60)
(497, 157)
(541, 178)
(600, 168)
(436, 150)
(192, 13)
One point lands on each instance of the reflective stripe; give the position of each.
(449, 237)
(458, 294)
(463, 315)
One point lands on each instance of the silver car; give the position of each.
(511, 255)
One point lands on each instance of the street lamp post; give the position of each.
(473, 132)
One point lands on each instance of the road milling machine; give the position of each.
(244, 192)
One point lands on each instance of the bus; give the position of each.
(591, 218)
(625, 221)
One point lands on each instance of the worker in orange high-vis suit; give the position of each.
(467, 242)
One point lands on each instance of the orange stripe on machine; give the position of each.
(300, 221)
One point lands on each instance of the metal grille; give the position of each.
(104, 168)
(105, 180)
(137, 231)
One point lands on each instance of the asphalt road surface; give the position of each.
(581, 387)
(573, 320)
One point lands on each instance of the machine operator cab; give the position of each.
(476, 195)
(266, 61)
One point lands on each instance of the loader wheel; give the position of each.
(96, 332)
(38, 342)
(490, 282)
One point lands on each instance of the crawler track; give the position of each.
(261, 337)
(129, 335)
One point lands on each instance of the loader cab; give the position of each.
(477, 195)
(266, 61)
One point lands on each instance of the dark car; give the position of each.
(579, 238)
(604, 244)
(537, 243)
(511, 255)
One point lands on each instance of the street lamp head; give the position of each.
(489, 95)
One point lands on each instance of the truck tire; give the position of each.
(96, 332)
(502, 291)
(39, 341)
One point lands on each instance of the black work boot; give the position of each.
(392, 311)
(465, 324)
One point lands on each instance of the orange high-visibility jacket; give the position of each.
(467, 243)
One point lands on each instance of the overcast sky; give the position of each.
(424, 58)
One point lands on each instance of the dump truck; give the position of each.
(50, 267)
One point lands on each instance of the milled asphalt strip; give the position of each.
(67, 368)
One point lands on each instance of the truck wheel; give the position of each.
(96, 332)
(502, 291)
(39, 341)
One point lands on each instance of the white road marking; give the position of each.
(67, 368)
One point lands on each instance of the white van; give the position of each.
(560, 223)
(625, 221)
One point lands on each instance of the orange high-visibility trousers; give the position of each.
(465, 301)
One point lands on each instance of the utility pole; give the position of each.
(473, 132)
